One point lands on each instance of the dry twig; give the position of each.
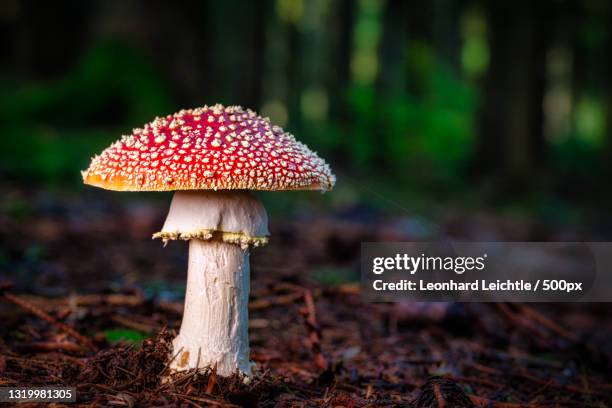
(48, 318)
(309, 313)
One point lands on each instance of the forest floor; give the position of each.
(88, 300)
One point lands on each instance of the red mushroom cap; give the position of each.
(209, 148)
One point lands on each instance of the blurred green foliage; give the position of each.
(334, 276)
(111, 78)
(51, 128)
(124, 335)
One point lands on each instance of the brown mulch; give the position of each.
(367, 363)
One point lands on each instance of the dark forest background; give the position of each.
(493, 105)
(473, 120)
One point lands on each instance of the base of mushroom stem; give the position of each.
(247, 375)
(180, 363)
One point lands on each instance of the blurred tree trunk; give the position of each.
(237, 51)
(252, 82)
(447, 36)
(63, 28)
(294, 75)
(419, 20)
(339, 77)
(608, 100)
(420, 37)
(579, 51)
(392, 50)
(511, 144)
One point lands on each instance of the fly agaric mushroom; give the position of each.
(211, 156)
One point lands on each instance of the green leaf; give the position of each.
(130, 336)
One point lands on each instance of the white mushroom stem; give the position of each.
(215, 328)
(220, 226)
